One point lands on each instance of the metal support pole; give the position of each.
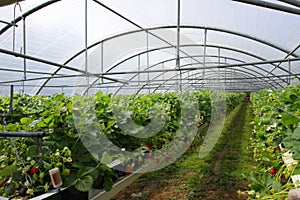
(178, 46)
(148, 64)
(86, 43)
(292, 2)
(219, 62)
(270, 5)
(204, 51)
(139, 69)
(225, 73)
(8, 23)
(102, 60)
(204, 47)
(24, 48)
(163, 73)
(289, 77)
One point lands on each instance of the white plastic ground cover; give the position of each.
(296, 181)
(287, 158)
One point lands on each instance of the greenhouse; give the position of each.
(136, 99)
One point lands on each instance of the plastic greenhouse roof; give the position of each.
(130, 46)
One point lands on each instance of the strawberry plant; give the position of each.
(275, 125)
(63, 148)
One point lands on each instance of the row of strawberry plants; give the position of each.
(62, 146)
(275, 125)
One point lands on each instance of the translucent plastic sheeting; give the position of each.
(235, 33)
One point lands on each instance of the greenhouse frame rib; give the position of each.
(274, 6)
(291, 2)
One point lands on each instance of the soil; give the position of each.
(163, 190)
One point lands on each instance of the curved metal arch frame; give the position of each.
(162, 85)
(169, 27)
(173, 59)
(229, 73)
(241, 61)
(164, 82)
(241, 72)
(197, 45)
(200, 45)
(188, 27)
(246, 72)
(231, 78)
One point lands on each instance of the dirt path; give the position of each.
(215, 180)
(219, 183)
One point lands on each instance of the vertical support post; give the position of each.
(24, 52)
(24, 47)
(148, 64)
(219, 63)
(86, 43)
(102, 60)
(163, 74)
(219, 56)
(204, 51)
(139, 69)
(225, 61)
(289, 77)
(178, 47)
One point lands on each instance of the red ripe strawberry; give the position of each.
(149, 145)
(2, 184)
(273, 171)
(33, 171)
(128, 170)
(149, 156)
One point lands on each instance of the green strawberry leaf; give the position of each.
(276, 186)
(108, 183)
(296, 134)
(85, 183)
(288, 119)
(69, 180)
(8, 170)
(106, 158)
